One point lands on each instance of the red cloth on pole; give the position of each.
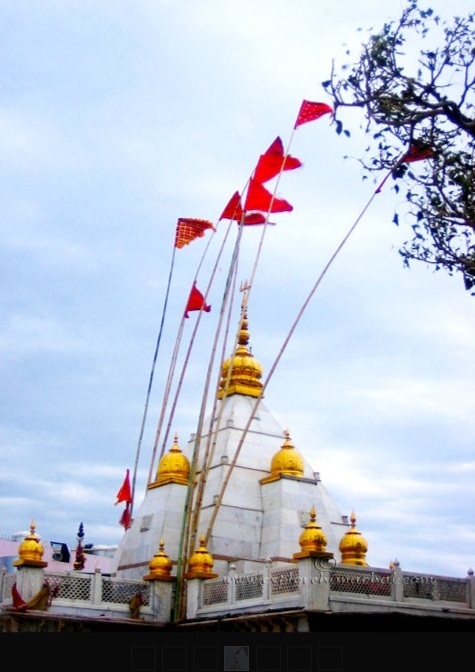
(125, 492)
(125, 519)
(233, 209)
(418, 152)
(189, 228)
(273, 161)
(258, 198)
(310, 111)
(196, 301)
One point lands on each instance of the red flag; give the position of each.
(418, 152)
(258, 198)
(233, 209)
(273, 161)
(125, 493)
(125, 519)
(310, 111)
(189, 228)
(253, 218)
(196, 301)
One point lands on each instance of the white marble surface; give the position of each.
(254, 521)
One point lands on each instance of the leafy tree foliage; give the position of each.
(414, 81)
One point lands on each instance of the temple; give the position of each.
(235, 532)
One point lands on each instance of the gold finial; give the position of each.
(312, 541)
(287, 461)
(30, 550)
(160, 565)
(241, 373)
(174, 467)
(353, 546)
(200, 563)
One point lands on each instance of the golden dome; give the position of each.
(313, 537)
(174, 467)
(31, 550)
(200, 563)
(160, 565)
(241, 373)
(353, 546)
(287, 460)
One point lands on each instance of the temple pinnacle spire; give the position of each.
(241, 373)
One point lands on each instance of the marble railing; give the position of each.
(305, 586)
(359, 585)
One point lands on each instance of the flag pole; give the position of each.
(213, 273)
(274, 365)
(149, 389)
(184, 543)
(171, 369)
(286, 341)
(193, 336)
(248, 289)
(215, 423)
(299, 121)
(329, 263)
(261, 242)
(191, 518)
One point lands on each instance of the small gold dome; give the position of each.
(353, 546)
(287, 460)
(200, 563)
(313, 537)
(174, 467)
(241, 373)
(160, 565)
(31, 550)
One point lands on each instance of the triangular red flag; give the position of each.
(233, 209)
(258, 198)
(276, 148)
(310, 111)
(418, 152)
(125, 492)
(189, 228)
(273, 161)
(196, 301)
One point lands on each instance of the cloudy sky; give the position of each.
(116, 118)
